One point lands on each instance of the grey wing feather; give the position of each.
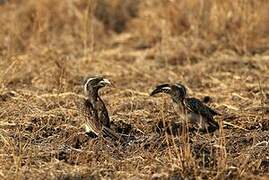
(103, 114)
(111, 134)
(91, 123)
(213, 112)
(195, 105)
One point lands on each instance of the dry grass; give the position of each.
(216, 48)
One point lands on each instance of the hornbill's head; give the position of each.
(93, 84)
(177, 91)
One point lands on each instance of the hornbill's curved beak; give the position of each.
(164, 88)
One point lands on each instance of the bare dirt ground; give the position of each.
(217, 49)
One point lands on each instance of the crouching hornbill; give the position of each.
(95, 111)
(196, 112)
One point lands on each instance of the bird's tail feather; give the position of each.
(107, 132)
(214, 112)
(213, 125)
(111, 134)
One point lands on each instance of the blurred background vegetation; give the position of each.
(183, 26)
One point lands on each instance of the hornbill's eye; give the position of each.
(104, 82)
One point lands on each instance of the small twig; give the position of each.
(262, 98)
(137, 92)
(265, 143)
(2, 138)
(62, 95)
(233, 125)
(8, 69)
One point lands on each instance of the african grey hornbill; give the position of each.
(97, 118)
(196, 112)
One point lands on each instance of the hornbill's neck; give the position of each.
(177, 99)
(93, 96)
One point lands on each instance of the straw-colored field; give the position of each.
(216, 48)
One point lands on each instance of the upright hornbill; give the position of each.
(196, 111)
(97, 118)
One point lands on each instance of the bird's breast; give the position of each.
(197, 119)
